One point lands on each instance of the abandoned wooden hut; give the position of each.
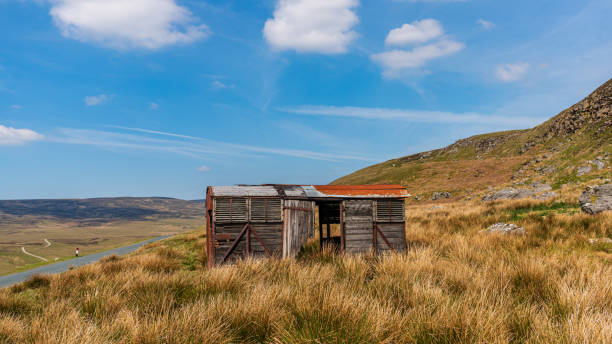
(277, 220)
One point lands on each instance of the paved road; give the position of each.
(55, 268)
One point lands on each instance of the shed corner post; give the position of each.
(342, 229)
(210, 245)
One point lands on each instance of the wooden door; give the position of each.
(298, 218)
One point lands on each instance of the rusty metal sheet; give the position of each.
(361, 191)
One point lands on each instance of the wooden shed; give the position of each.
(277, 220)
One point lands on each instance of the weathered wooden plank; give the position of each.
(299, 225)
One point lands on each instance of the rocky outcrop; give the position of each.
(440, 195)
(596, 108)
(582, 170)
(599, 162)
(505, 228)
(596, 199)
(535, 190)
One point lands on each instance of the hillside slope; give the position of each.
(580, 136)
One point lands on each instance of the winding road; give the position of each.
(56, 268)
(33, 255)
(47, 244)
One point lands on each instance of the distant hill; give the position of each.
(100, 209)
(552, 151)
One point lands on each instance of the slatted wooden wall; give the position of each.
(390, 219)
(266, 210)
(358, 226)
(264, 216)
(390, 211)
(270, 233)
(228, 210)
(299, 226)
(395, 234)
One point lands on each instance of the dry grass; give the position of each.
(454, 285)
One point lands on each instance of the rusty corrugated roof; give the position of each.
(311, 191)
(362, 190)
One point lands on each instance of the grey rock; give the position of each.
(534, 190)
(507, 193)
(546, 195)
(548, 170)
(599, 162)
(505, 228)
(440, 195)
(596, 199)
(582, 170)
(540, 187)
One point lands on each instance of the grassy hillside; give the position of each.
(454, 285)
(550, 152)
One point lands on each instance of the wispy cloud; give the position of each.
(183, 144)
(203, 168)
(153, 106)
(218, 85)
(97, 100)
(411, 115)
(397, 62)
(485, 24)
(512, 71)
(417, 32)
(13, 137)
(16, 107)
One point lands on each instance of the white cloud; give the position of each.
(312, 26)
(12, 137)
(412, 115)
(511, 72)
(203, 169)
(127, 24)
(487, 25)
(16, 107)
(418, 32)
(153, 106)
(395, 61)
(96, 100)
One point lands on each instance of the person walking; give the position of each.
(76, 253)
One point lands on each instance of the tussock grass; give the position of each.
(454, 285)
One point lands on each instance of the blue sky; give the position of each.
(164, 97)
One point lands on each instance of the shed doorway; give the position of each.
(331, 229)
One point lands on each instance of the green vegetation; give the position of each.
(543, 209)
